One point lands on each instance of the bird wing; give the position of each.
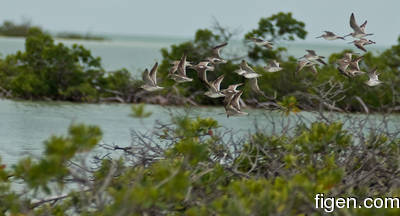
(343, 64)
(355, 63)
(274, 63)
(353, 24)
(227, 100)
(234, 86)
(153, 73)
(300, 66)
(203, 63)
(347, 56)
(362, 27)
(217, 82)
(244, 66)
(254, 85)
(216, 50)
(343, 72)
(321, 61)
(312, 52)
(372, 74)
(174, 67)
(182, 66)
(202, 74)
(329, 33)
(361, 47)
(235, 102)
(268, 45)
(146, 77)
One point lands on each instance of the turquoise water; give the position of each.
(25, 125)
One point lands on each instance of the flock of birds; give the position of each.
(347, 66)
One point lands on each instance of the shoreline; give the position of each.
(201, 106)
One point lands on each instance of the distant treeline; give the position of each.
(12, 29)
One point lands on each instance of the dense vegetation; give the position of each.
(46, 70)
(191, 166)
(12, 29)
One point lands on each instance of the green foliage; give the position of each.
(272, 175)
(9, 28)
(289, 105)
(58, 150)
(280, 26)
(58, 72)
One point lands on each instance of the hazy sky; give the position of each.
(183, 17)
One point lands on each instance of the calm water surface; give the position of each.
(25, 125)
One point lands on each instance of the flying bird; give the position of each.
(174, 66)
(305, 63)
(246, 71)
(273, 66)
(214, 88)
(373, 78)
(261, 42)
(348, 66)
(328, 35)
(232, 105)
(312, 56)
(202, 68)
(180, 76)
(150, 79)
(232, 89)
(358, 31)
(216, 56)
(361, 43)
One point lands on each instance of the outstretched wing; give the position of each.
(216, 49)
(321, 61)
(217, 83)
(362, 27)
(146, 77)
(244, 66)
(330, 34)
(202, 74)
(182, 66)
(353, 23)
(153, 73)
(236, 100)
(312, 52)
(360, 47)
(300, 66)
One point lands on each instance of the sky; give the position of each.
(182, 18)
